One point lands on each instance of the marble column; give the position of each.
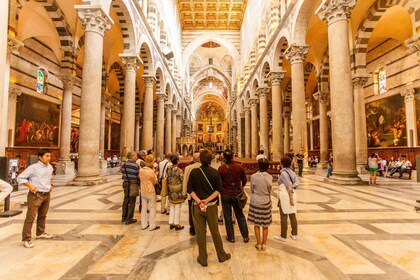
(137, 133)
(131, 63)
(296, 55)
(173, 132)
(168, 128)
(104, 101)
(147, 135)
(410, 113)
(264, 141)
(359, 82)
(323, 99)
(336, 14)
(254, 127)
(286, 133)
(14, 93)
(96, 22)
(235, 136)
(246, 111)
(277, 114)
(160, 124)
(109, 133)
(65, 165)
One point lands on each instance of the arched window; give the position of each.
(382, 81)
(40, 81)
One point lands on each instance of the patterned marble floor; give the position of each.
(357, 232)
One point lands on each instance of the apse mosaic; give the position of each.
(37, 122)
(386, 122)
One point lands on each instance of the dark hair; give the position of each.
(174, 158)
(168, 155)
(228, 156)
(42, 152)
(373, 155)
(261, 152)
(206, 156)
(286, 161)
(263, 164)
(149, 151)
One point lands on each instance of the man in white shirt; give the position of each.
(5, 190)
(37, 178)
(196, 164)
(163, 166)
(260, 155)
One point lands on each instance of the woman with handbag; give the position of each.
(148, 180)
(260, 203)
(176, 193)
(288, 182)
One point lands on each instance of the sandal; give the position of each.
(246, 239)
(258, 247)
(230, 240)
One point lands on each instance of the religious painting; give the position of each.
(316, 135)
(219, 138)
(200, 127)
(386, 122)
(200, 138)
(37, 122)
(74, 140)
(106, 134)
(418, 118)
(115, 136)
(219, 127)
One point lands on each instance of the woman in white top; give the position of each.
(373, 168)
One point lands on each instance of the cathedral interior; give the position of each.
(90, 80)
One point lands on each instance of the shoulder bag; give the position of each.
(241, 197)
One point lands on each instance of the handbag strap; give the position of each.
(163, 171)
(206, 179)
(290, 177)
(231, 176)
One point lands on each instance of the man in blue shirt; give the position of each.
(37, 178)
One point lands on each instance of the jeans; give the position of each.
(37, 204)
(227, 203)
(128, 204)
(148, 200)
(329, 171)
(300, 166)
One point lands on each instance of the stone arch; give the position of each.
(255, 85)
(265, 71)
(127, 28)
(63, 30)
(305, 10)
(146, 57)
(116, 67)
(324, 72)
(168, 91)
(309, 67)
(281, 47)
(159, 81)
(366, 27)
(80, 45)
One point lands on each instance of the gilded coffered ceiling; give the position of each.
(211, 14)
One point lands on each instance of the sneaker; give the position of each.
(28, 244)
(279, 238)
(294, 237)
(44, 236)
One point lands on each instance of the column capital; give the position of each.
(322, 97)
(296, 53)
(277, 77)
(14, 92)
(174, 112)
(13, 45)
(409, 94)
(94, 19)
(67, 80)
(413, 43)
(131, 61)
(253, 101)
(333, 10)
(262, 92)
(359, 80)
(149, 80)
(246, 109)
(161, 96)
(168, 106)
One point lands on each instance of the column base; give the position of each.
(103, 164)
(360, 167)
(87, 181)
(322, 165)
(64, 167)
(344, 179)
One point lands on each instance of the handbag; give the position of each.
(133, 189)
(241, 197)
(158, 185)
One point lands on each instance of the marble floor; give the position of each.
(345, 232)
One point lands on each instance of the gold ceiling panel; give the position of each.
(211, 14)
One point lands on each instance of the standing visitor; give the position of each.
(260, 203)
(373, 168)
(299, 158)
(188, 169)
(163, 167)
(176, 193)
(37, 178)
(148, 195)
(130, 176)
(288, 182)
(204, 186)
(5, 190)
(233, 181)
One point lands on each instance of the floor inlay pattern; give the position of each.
(345, 232)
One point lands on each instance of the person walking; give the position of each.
(260, 203)
(37, 178)
(130, 175)
(373, 168)
(233, 181)
(176, 193)
(148, 180)
(299, 158)
(163, 167)
(288, 182)
(204, 186)
(196, 163)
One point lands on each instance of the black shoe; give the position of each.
(202, 264)
(172, 226)
(132, 221)
(227, 258)
(123, 220)
(157, 227)
(192, 232)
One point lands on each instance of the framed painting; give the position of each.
(74, 140)
(115, 136)
(37, 122)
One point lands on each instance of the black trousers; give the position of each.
(300, 166)
(128, 204)
(190, 214)
(229, 202)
